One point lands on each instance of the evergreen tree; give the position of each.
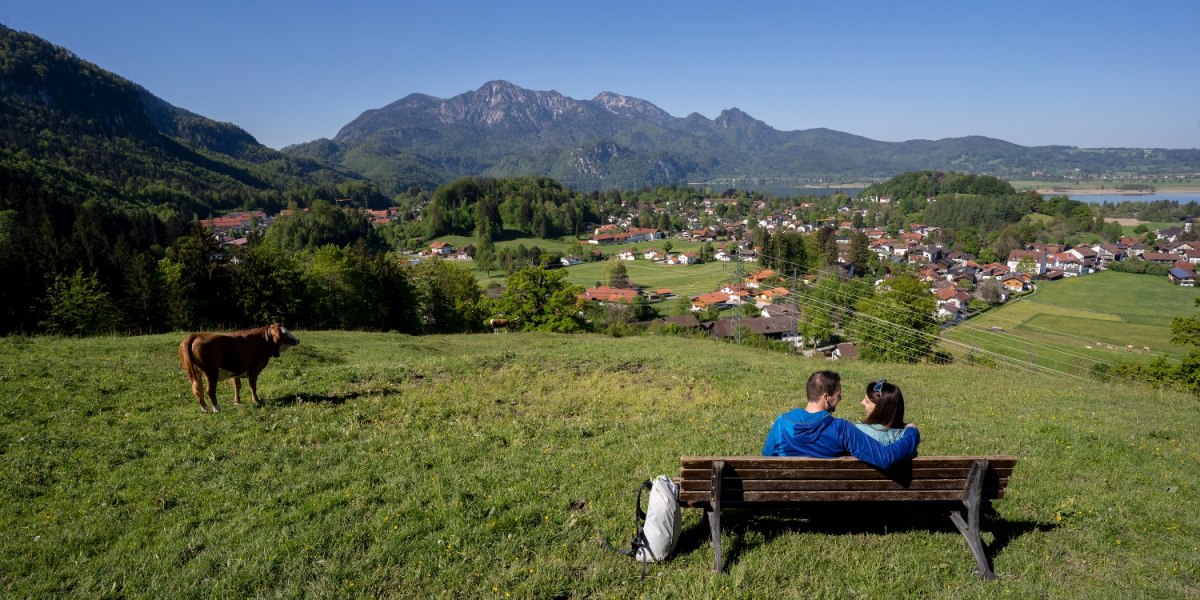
(860, 254)
(79, 305)
(485, 255)
(616, 274)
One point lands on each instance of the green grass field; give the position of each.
(1151, 226)
(568, 245)
(473, 466)
(1110, 186)
(682, 279)
(563, 245)
(1075, 323)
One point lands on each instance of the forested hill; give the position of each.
(614, 141)
(98, 177)
(929, 184)
(60, 115)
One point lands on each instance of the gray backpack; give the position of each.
(657, 527)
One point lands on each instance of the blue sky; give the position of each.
(1089, 74)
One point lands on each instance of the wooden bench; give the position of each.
(968, 483)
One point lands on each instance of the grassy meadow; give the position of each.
(1150, 225)
(383, 465)
(1074, 323)
(569, 245)
(682, 279)
(1109, 186)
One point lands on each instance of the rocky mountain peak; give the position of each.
(627, 106)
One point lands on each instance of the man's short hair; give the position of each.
(822, 382)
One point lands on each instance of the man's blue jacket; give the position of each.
(820, 435)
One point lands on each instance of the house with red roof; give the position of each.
(605, 294)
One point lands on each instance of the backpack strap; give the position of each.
(639, 540)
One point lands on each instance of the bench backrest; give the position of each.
(747, 479)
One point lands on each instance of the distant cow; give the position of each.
(217, 356)
(498, 325)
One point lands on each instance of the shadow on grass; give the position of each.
(846, 519)
(330, 398)
(309, 355)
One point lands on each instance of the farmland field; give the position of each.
(1075, 323)
(681, 279)
(569, 245)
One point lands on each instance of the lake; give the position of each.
(1180, 197)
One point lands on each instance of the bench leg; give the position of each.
(714, 526)
(713, 514)
(969, 527)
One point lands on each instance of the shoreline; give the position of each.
(1110, 192)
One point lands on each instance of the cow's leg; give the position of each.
(253, 377)
(199, 394)
(212, 391)
(237, 390)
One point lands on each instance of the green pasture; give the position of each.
(1075, 323)
(1151, 226)
(569, 245)
(1110, 186)
(389, 466)
(683, 280)
(564, 245)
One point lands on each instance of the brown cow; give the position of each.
(217, 356)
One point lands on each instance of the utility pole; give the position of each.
(738, 278)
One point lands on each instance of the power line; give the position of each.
(842, 290)
(1029, 367)
(848, 293)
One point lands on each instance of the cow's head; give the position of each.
(281, 337)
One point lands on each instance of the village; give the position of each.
(960, 284)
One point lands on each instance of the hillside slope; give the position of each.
(484, 465)
(59, 112)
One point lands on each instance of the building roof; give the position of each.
(606, 293)
(711, 298)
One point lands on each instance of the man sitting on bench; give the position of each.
(813, 431)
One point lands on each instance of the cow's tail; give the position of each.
(187, 360)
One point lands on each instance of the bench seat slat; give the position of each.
(727, 500)
(796, 462)
(783, 472)
(852, 496)
(741, 482)
(839, 484)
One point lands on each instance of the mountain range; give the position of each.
(63, 118)
(619, 141)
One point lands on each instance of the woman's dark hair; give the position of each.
(889, 405)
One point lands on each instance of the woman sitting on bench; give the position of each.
(884, 404)
(814, 431)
